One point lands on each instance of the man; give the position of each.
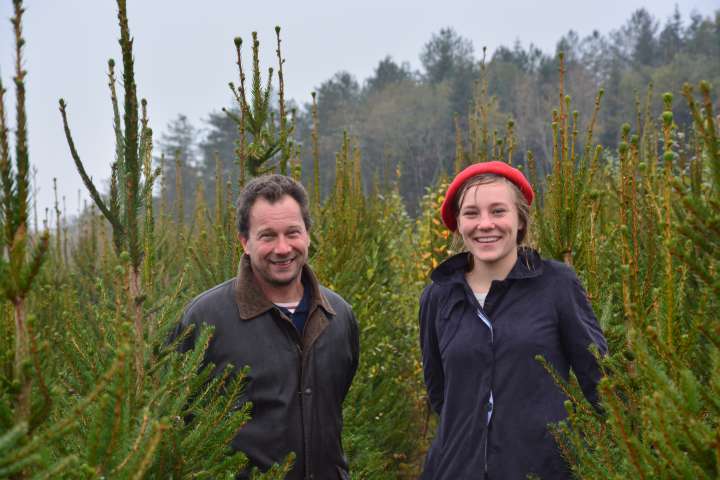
(299, 339)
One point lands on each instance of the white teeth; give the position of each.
(282, 262)
(487, 239)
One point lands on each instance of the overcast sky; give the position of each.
(185, 55)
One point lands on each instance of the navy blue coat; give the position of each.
(539, 309)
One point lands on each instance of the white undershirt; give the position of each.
(289, 306)
(481, 296)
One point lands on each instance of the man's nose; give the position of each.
(282, 247)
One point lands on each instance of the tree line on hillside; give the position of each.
(409, 122)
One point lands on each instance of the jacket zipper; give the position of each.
(492, 374)
(297, 339)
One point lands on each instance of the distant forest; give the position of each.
(411, 121)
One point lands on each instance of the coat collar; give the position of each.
(252, 302)
(528, 265)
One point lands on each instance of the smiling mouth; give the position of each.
(282, 263)
(487, 239)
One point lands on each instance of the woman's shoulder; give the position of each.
(556, 267)
(532, 265)
(439, 294)
(559, 274)
(434, 291)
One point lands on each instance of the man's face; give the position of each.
(277, 242)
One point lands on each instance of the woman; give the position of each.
(486, 315)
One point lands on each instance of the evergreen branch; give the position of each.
(269, 152)
(136, 444)
(6, 212)
(32, 268)
(117, 128)
(711, 139)
(130, 166)
(281, 106)
(150, 182)
(19, 465)
(57, 469)
(256, 90)
(115, 198)
(11, 437)
(315, 155)
(687, 91)
(236, 93)
(159, 428)
(265, 105)
(232, 116)
(591, 126)
(620, 421)
(241, 88)
(72, 417)
(114, 221)
(21, 147)
(44, 412)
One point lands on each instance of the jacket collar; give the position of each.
(528, 265)
(252, 302)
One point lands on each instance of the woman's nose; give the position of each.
(485, 222)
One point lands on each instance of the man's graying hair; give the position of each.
(272, 188)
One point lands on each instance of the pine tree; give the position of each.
(21, 255)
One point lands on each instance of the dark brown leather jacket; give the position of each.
(296, 384)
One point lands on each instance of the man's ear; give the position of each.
(243, 241)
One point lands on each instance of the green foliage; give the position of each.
(21, 256)
(567, 198)
(659, 307)
(384, 409)
(129, 186)
(256, 119)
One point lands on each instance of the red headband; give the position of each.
(497, 168)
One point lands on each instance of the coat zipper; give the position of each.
(297, 339)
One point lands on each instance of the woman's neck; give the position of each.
(482, 274)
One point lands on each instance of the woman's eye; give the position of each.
(498, 211)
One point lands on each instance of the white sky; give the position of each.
(185, 55)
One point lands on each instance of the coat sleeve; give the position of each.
(354, 346)
(579, 329)
(431, 360)
(187, 330)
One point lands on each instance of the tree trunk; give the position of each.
(134, 279)
(22, 356)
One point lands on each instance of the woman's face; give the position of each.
(488, 222)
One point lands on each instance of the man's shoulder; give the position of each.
(338, 303)
(217, 298)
